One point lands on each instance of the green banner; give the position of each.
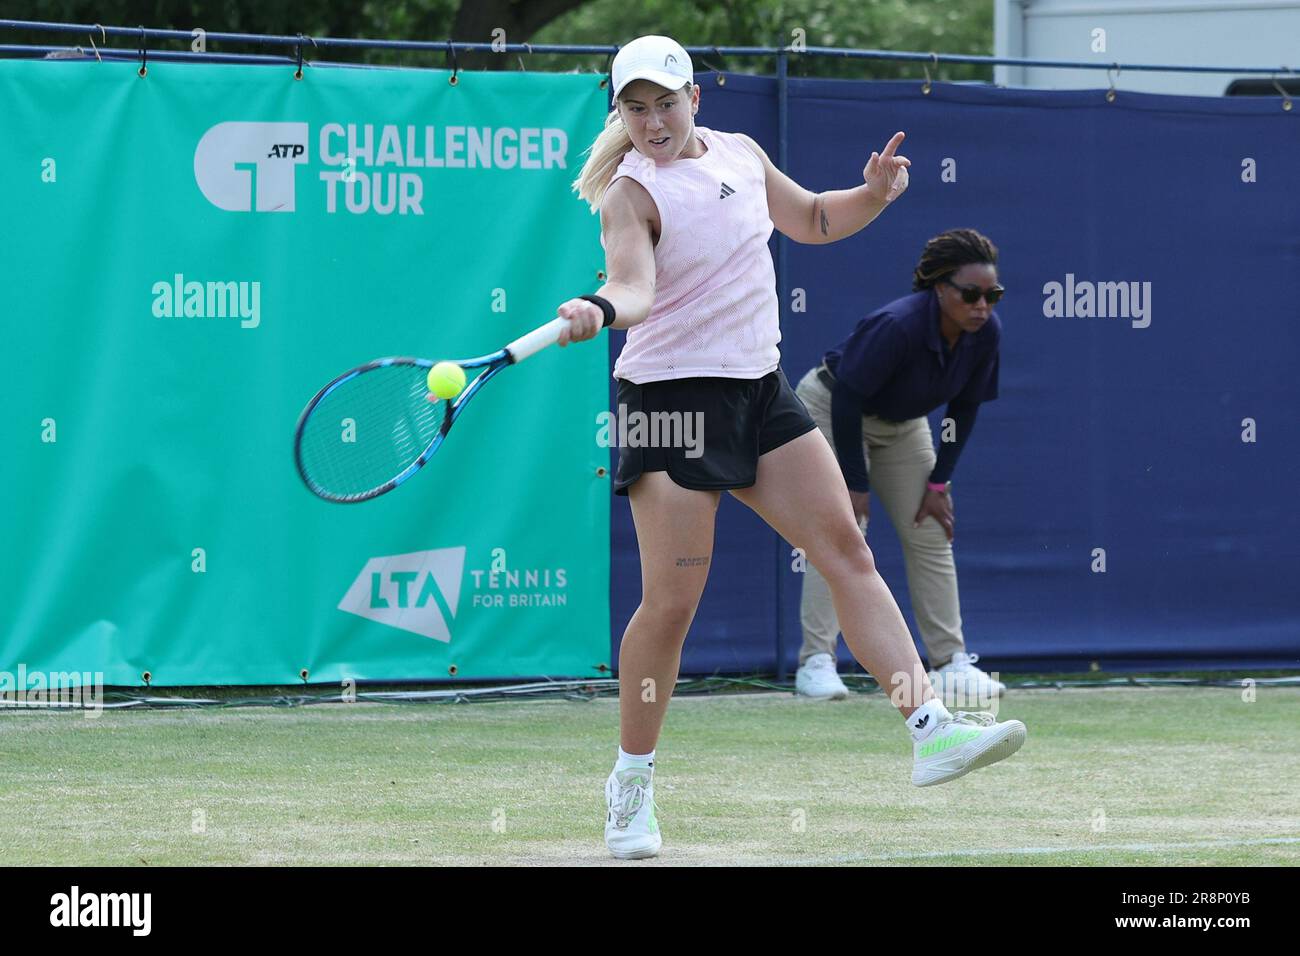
(187, 258)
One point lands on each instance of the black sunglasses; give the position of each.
(970, 294)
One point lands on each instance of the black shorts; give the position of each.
(714, 441)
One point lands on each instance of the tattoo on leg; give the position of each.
(826, 225)
(693, 562)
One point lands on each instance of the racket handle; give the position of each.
(536, 340)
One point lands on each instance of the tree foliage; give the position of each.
(944, 26)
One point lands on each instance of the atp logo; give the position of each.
(417, 592)
(250, 166)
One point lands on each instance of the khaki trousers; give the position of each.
(900, 457)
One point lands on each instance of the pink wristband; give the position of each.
(933, 486)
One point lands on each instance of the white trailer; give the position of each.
(1262, 33)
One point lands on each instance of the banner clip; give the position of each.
(103, 38)
(717, 74)
(1110, 93)
(144, 53)
(297, 74)
(934, 58)
(1286, 99)
(455, 67)
(609, 62)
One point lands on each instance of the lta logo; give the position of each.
(417, 592)
(250, 166)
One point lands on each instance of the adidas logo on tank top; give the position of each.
(715, 312)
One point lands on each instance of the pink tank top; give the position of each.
(715, 312)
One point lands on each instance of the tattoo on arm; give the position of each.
(826, 226)
(693, 562)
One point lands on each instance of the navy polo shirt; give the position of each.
(896, 365)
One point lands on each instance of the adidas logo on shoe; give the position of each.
(961, 743)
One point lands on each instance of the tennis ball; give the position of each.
(446, 379)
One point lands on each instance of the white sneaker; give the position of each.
(960, 683)
(816, 678)
(962, 743)
(631, 830)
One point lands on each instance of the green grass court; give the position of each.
(1183, 776)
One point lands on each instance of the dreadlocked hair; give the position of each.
(948, 252)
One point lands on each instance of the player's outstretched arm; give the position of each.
(630, 262)
(826, 217)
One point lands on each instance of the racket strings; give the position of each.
(370, 429)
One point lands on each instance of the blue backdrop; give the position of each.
(1105, 435)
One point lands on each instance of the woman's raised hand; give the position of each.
(886, 174)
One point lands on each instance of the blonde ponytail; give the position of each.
(606, 153)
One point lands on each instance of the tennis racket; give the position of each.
(375, 426)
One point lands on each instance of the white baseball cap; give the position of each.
(660, 60)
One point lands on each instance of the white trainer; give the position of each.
(816, 678)
(960, 683)
(631, 830)
(962, 743)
